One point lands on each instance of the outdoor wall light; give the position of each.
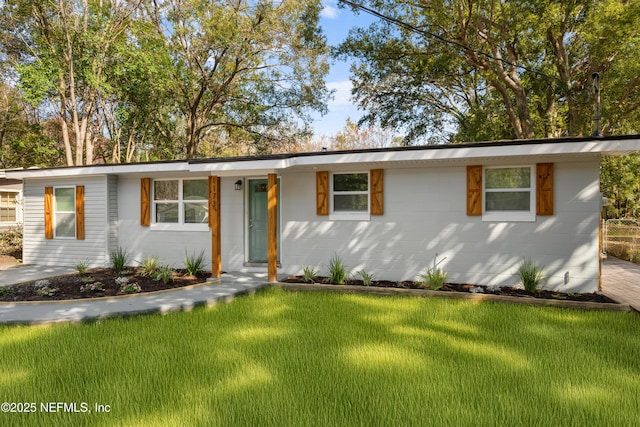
(238, 184)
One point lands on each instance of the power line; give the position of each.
(424, 33)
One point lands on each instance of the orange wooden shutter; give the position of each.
(544, 189)
(80, 212)
(377, 192)
(322, 193)
(145, 202)
(474, 190)
(48, 212)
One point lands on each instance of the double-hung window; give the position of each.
(64, 212)
(180, 201)
(350, 195)
(8, 209)
(509, 193)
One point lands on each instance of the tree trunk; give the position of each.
(524, 115)
(89, 145)
(192, 136)
(561, 59)
(65, 135)
(513, 118)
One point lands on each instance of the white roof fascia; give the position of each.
(245, 167)
(101, 170)
(234, 167)
(475, 152)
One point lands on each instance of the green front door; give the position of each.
(257, 222)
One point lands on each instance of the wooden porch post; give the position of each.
(214, 224)
(272, 225)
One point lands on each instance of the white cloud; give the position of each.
(329, 12)
(342, 94)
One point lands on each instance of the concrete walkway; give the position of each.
(621, 281)
(29, 273)
(182, 299)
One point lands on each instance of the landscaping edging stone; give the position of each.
(31, 313)
(349, 289)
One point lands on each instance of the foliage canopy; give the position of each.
(496, 69)
(140, 80)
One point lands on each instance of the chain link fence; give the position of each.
(621, 239)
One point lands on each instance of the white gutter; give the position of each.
(235, 168)
(475, 152)
(100, 170)
(248, 166)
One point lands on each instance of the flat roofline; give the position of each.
(281, 160)
(502, 143)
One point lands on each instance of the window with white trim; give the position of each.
(64, 212)
(8, 206)
(350, 194)
(509, 193)
(180, 201)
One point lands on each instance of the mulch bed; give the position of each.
(467, 288)
(69, 286)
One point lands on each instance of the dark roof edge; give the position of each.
(502, 143)
(415, 148)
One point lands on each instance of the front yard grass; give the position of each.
(284, 358)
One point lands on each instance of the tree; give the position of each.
(244, 70)
(496, 69)
(620, 183)
(24, 141)
(353, 137)
(138, 112)
(62, 51)
(134, 79)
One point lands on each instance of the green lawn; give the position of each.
(284, 358)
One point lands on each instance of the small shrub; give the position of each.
(44, 283)
(127, 287)
(92, 287)
(338, 274)
(434, 278)
(119, 259)
(121, 280)
(5, 290)
(46, 291)
(11, 242)
(130, 288)
(81, 267)
(193, 263)
(309, 274)
(87, 280)
(150, 266)
(367, 279)
(531, 275)
(164, 274)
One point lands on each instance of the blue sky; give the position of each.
(336, 23)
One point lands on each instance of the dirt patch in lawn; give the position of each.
(467, 288)
(95, 283)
